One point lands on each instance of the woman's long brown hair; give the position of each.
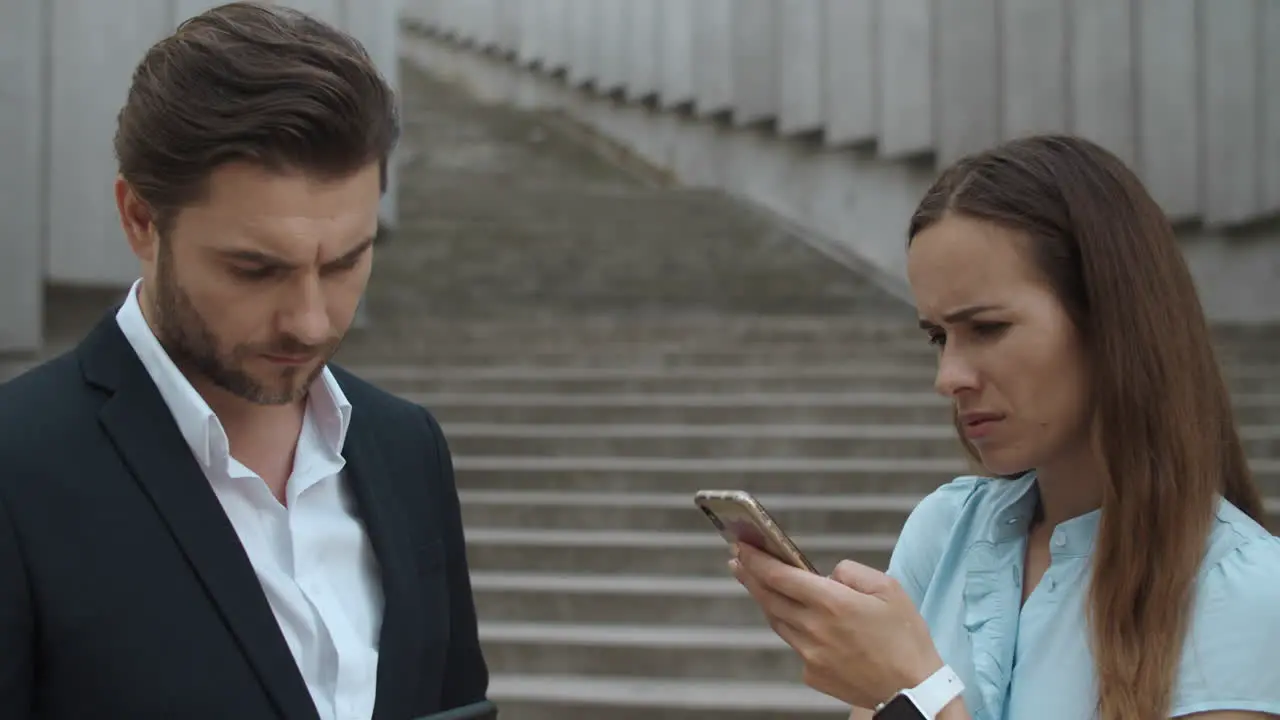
(1164, 420)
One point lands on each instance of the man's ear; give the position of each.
(137, 220)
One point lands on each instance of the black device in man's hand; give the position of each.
(483, 710)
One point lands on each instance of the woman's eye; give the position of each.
(987, 329)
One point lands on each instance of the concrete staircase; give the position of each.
(598, 347)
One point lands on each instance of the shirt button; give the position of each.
(1060, 540)
(1053, 584)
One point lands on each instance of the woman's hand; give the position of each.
(858, 633)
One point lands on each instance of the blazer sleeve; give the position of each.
(17, 673)
(466, 675)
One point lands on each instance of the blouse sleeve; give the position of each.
(925, 534)
(1231, 657)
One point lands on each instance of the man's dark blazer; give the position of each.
(125, 592)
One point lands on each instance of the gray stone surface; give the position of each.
(23, 87)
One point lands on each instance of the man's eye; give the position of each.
(258, 273)
(937, 338)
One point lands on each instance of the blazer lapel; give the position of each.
(142, 428)
(400, 638)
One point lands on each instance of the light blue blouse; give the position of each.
(960, 557)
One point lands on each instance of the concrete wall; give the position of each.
(65, 67)
(887, 91)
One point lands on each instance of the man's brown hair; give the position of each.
(249, 82)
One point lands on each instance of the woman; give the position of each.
(1113, 563)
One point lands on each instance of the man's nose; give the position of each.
(307, 317)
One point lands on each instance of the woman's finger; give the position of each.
(801, 586)
(773, 603)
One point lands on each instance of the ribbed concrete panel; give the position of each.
(643, 43)
(801, 54)
(851, 59)
(97, 46)
(613, 44)
(968, 66)
(554, 50)
(584, 61)
(906, 78)
(755, 48)
(531, 13)
(1168, 117)
(1269, 155)
(375, 24)
(1035, 67)
(1103, 98)
(712, 55)
(23, 48)
(1230, 103)
(507, 18)
(677, 18)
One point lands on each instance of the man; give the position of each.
(198, 517)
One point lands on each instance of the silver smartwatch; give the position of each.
(924, 701)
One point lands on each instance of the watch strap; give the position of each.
(936, 692)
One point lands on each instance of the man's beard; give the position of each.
(192, 346)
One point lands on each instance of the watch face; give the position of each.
(900, 708)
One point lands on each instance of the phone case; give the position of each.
(739, 517)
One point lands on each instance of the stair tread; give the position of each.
(717, 465)
(639, 636)
(629, 539)
(661, 692)
(702, 399)
(648, 464)
(707, 430)
(624, 584)
(855, 369)
(649, 500)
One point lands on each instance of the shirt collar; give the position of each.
(1017, 505)
(196, 421)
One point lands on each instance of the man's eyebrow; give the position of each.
(257, 257)
(958, 315)
(353, 253)
(253, 256)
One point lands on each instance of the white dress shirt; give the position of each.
(312, 554)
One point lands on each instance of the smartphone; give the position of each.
(739, 517)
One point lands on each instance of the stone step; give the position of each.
(743, 440)
(621, 650)
(710, 441)
(522, 696)
(401, 344)
(536, 324)
(646, 552)
(615, 598)
(634, 510)
(732, 408)
(855, 376)
(588, 510)
(812, 408)
(409, 346)
(764, 476)
(587, 325)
